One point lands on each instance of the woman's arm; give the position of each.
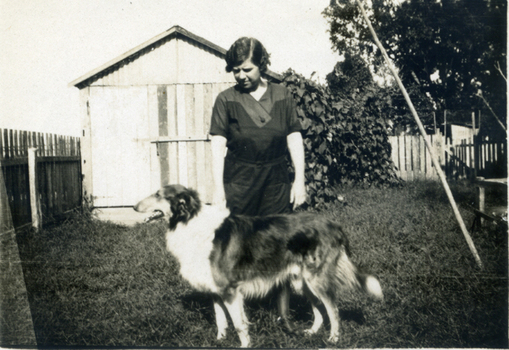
(218, 145)
(296, 148)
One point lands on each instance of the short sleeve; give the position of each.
(293, 120)
(219, 121)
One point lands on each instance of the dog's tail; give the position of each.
(347, 273)
(329, 258)
(370, 285)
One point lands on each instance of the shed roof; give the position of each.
(132, 54)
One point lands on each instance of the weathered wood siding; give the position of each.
(145, 123)
(182, 143)
(143, 137)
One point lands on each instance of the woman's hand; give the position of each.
(298, 194)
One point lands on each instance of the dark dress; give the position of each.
(256, 177)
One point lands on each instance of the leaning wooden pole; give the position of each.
(434, 158)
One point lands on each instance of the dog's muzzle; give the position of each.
(157, 214)
(142, 207)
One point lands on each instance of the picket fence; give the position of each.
(459, 161)
(57, 174)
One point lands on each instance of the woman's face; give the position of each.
(247, 75)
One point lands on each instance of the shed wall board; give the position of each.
(182, 131)
(171, 125)
(153, 120)
(86, 145)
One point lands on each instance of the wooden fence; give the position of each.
(491, 159)
(464, 160)
(411, 158)
(57, 173)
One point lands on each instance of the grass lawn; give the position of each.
(92, 283)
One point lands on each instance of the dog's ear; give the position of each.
(188, 204)
(180, 210)
(182, 207)
(172, 191)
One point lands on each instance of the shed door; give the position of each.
(120, 147)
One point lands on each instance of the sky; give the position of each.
(47, 44)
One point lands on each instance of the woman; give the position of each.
(256, 121)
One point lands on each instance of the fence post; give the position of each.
(35, 206)
(474, 163)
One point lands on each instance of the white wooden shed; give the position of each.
(146, 116)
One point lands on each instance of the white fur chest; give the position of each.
(191, 244)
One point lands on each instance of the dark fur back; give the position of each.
(254, 245)
(251, 247)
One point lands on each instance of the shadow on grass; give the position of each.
(301, 311)
(199, 301)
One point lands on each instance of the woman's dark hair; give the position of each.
(244, 48)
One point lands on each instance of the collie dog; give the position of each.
(236, 257)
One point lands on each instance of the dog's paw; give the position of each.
(334, 338)
(221, 334)
(309, 331)
(286, 324)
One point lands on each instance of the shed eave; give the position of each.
(173, 30)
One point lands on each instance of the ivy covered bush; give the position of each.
(344, 130)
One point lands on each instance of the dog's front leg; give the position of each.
(235, 306)
(221, 320)
(332, 311)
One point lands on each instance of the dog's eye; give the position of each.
(157, 195)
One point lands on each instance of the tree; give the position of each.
(350, 35)
(448, 50)
(353, 76)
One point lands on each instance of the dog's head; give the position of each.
(175, 203)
